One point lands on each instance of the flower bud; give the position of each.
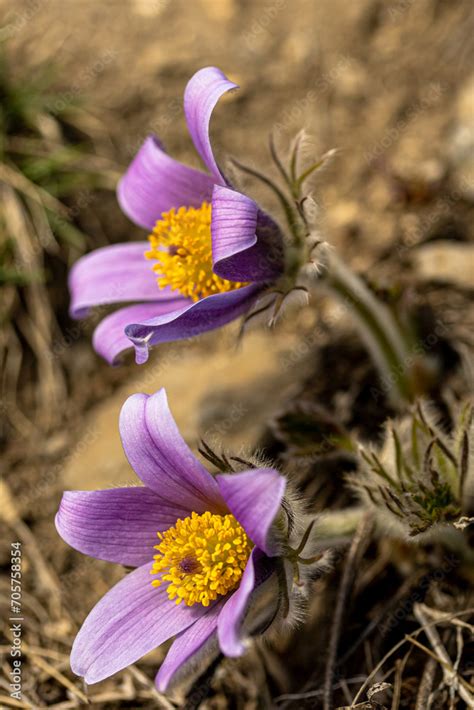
(421, 480)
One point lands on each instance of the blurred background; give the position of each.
(389, 84)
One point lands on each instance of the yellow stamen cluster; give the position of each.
(201, 557)
(182, 246)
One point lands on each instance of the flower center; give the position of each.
(181, 244)
(201, 557)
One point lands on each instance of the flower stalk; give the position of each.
(403, 376)
(378, 328)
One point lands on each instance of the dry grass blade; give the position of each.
(361, 538)
(14, 178)
(407, 587)
(37, 323)
(11, 360)
(397, 683)
(451, 677)
(45, 162)
(162, 701)
(318, 692)
(423, 696)
(57, 675)
(12, 703)
(46, 577)
(441, 616)
(394, 649)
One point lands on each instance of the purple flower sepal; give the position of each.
(247, 246)
(121, 524)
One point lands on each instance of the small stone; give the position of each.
(446, 261)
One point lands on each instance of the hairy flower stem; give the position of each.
(335, 526)
(378, 328)
(391, 348)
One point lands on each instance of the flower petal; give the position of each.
(204, 315)
(230, 621)
(246, 244)
(202, 93)
(159, 455)
(155, 182)
(254, 498)
(109, 339)
(132, 619)
(117, 525)
(114, 274)
(187, 645)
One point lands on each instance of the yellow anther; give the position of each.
(181, 244)
(202, 557)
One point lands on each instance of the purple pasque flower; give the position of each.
(218, 545)
(213, 248)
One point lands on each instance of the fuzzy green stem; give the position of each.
(335, 525)
(377, 326)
